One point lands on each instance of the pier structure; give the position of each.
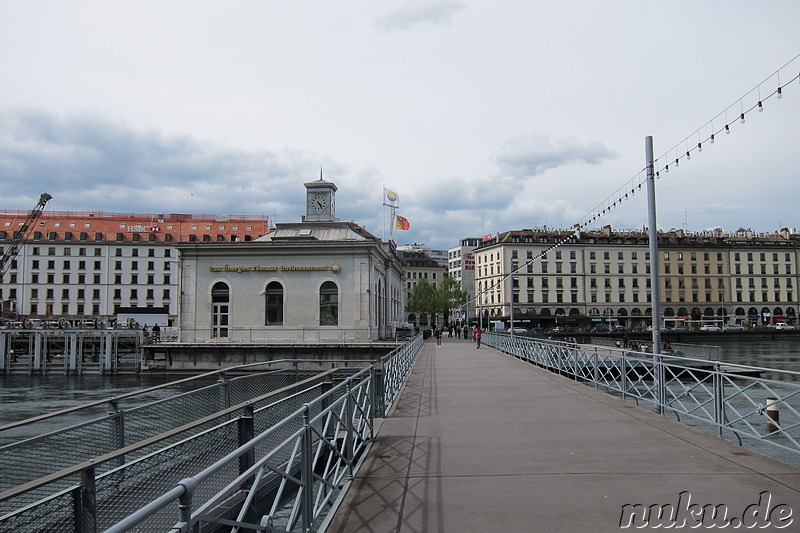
(520, 434)
(480, 440)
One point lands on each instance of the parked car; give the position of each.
(733, 327)
(709, 327)
(784, 325)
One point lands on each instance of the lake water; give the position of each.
(23, 396)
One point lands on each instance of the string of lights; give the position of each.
(705, 135)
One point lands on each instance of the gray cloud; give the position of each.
(531, 155)
(437, 13)
(90, 163)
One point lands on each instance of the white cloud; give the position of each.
(533, 154)
(412, 13)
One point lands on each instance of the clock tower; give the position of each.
(320, 201)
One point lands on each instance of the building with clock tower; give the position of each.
(319, 280)
(320, 201)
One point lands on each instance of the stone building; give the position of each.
(602, 278)
(318, 280)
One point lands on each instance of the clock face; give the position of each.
(319, 203)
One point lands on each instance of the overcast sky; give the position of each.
(484, 116)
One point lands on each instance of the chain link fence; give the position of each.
(109, 468)
(756, 407)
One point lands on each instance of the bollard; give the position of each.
(773, 415)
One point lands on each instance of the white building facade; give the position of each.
(603, 278)
(320, 280)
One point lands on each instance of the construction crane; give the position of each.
(21, 234)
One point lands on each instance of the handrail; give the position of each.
(729, 400)
(105, 458)
(325, 438)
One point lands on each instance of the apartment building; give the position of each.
(78, 265)
(603, 277)
(418, 265)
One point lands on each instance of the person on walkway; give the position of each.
(438, 333)
(156, 333)
(466, 332)
(477, 335)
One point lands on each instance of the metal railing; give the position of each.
(298, 444)
(285, 335)
(697, 351)
(756, 407)
(70, 351)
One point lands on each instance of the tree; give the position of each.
(422, 298)
(450, 296)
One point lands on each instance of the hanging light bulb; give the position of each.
(780, 93)
(760, 106)
(712, 139)
(699, 147)
(688, 155)
(666, 169)
(677, 162)
(727, 129)
(741, 118)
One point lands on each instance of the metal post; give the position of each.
(246, 434)
(5, 356)
(307, 473)
(719, 399)
(349, 403)
(86, 508)
(653, 235)
(511, 295)
(38, 366)
(373, 398)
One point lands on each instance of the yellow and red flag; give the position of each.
(401, 222)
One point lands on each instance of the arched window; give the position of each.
(329, 304)
(274, 302)
(220, 309)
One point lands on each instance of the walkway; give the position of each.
(479, 441)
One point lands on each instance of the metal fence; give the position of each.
(71, 351)
(277, 459)
(286, 335)
(755, 407)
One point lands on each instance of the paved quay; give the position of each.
(481, 441)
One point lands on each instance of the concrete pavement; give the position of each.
(480, 441)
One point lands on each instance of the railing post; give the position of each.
(373, 398)
(719, 399)
(349, 436)
(661, 387)
(5, 359)
(118, 428)
(224, 392)
(623, 375)
(306, 472)
(596, 370)
(246, 434)
(84, 503)
(185, 503)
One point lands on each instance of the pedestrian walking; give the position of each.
(477, 334)
(438, 333)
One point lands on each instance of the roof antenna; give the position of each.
(320, 173)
